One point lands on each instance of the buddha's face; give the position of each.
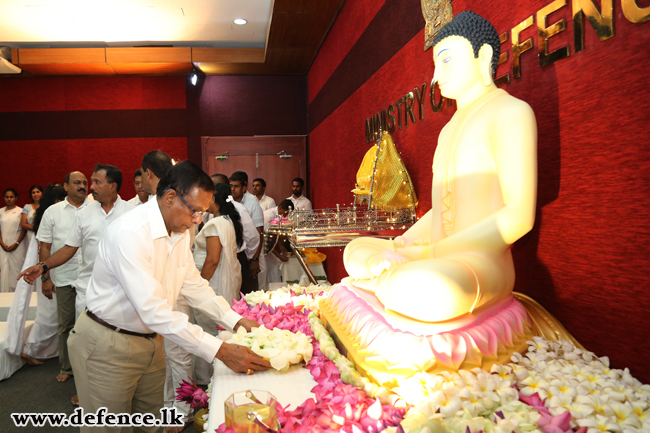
(456, 68)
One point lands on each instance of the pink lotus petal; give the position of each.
(496, 327)
(552, 429)
(562, 421)
(449, 349)
(473, 352)
(200, 399)
(532, 400)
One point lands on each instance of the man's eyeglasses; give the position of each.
(195, 213)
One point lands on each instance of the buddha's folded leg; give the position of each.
(430, 290)
(360, 252)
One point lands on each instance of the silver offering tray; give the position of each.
(323, 228)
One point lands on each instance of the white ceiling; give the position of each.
(126, 23)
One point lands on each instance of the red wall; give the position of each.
(51, 126)
(586, 260)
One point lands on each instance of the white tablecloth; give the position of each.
(292, 387)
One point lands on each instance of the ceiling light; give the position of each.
(240, 21)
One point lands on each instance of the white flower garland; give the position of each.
(347, 370)
(282, 296)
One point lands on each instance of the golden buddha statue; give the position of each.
(456, 260)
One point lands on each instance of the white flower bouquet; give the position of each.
(281, 347)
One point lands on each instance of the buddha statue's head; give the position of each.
(466, 53)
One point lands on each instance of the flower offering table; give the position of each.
(292, 388)
(552, 387)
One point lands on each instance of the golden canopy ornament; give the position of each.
(437, 13)
(382, 177)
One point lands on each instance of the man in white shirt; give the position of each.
(141, 196)
(52, 233)
(143, 265)
(259, 188)
(88, 228)
(299, 200)
(253, 269)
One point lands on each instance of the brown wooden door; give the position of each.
(278, 174)
(231, 164)
(258, 157)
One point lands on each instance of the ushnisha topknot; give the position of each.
(477, 30)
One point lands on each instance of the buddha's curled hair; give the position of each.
(477, 30)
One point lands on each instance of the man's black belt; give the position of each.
(115, 328)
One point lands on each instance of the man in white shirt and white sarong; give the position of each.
(253, 272)
(141, 196)
(299, 200)
(55, 227)
(259, 189)
(143, 265)
(88, 228)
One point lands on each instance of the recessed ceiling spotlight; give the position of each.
(240, 21)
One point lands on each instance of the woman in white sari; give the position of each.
(29, 212)
(12, 252)
(215, 255)
(215, 247)
(39, 341)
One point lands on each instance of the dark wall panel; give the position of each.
(245, 106)
(253, 106)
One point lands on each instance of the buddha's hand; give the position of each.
(384, 261)
(415, 252)
(403, 242)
